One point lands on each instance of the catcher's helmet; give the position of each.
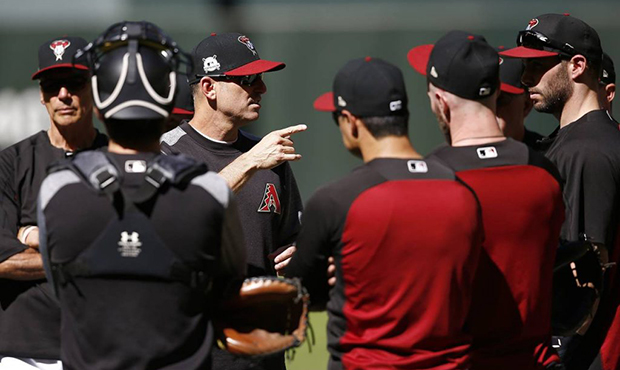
(134, 65)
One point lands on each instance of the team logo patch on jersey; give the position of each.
(246, 41)
(270, 201)
(417, 166)
(129, 244)
(487, 152)
(59, 47)
(531, 24)
(210, 64)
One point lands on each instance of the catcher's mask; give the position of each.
(134, 65)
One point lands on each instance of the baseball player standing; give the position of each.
(29, 319)
(511, 305)
(158, 235)
(227, 85)
(563, 58)
(405, 235)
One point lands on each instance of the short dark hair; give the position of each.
(130, 133)
(387, 125)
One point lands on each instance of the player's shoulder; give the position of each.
(215, 186)
(28, 144)
(173, 137)
(54, 183)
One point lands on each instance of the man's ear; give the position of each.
(207, 87)
(41, 97)
(610, 92)
(351, 123)
(577, 66)
(442, 104)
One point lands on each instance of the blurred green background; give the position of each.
(315, 38)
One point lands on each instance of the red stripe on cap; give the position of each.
(511, 89)
(418, 58)
(325, 102)
(62, 65)
(523, 52)
(182, 111)
(257, 66)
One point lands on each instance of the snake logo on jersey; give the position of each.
(270, 200)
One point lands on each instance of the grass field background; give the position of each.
(317, 359)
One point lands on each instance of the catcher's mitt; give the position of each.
(269, 316)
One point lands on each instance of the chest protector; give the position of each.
(129, 246)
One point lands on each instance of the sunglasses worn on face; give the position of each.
(71, 84)
(538, 41)
(248, 80)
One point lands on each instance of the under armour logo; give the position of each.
(129, 244)
(270, 200)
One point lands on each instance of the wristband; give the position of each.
(25, 233)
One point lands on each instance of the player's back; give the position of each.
(130, 283)
(521, 199)
(406, 238)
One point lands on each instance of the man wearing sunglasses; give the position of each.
(227, 86)
(29, 319)
(562, 57)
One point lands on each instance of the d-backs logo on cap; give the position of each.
(531, 24)
(246, 41)
(270, 200)
(59, 47)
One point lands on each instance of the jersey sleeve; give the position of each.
(600, 195)
(293, 207)
(9, 207)
(315, 244)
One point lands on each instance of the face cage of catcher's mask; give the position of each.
(131, 103)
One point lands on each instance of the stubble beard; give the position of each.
(556, 94)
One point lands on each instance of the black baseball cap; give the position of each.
(510, 71)
(58, 53)
(557, 34)
(183, 100)
(228, 54)
(366, 87)
(461, 63)
(608, 73)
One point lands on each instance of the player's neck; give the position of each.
(474, 127)
(216, 127)
(582, 101)
(79, 135)
(388, 147)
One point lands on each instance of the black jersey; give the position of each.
(587, 154)
(533, 140)
(269, 203)
(29, 317)
(521, 199)
(269, 208)
(114, 321)
(406, 241)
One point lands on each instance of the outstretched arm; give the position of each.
(274, 149)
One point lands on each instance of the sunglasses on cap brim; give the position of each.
(536, 40)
